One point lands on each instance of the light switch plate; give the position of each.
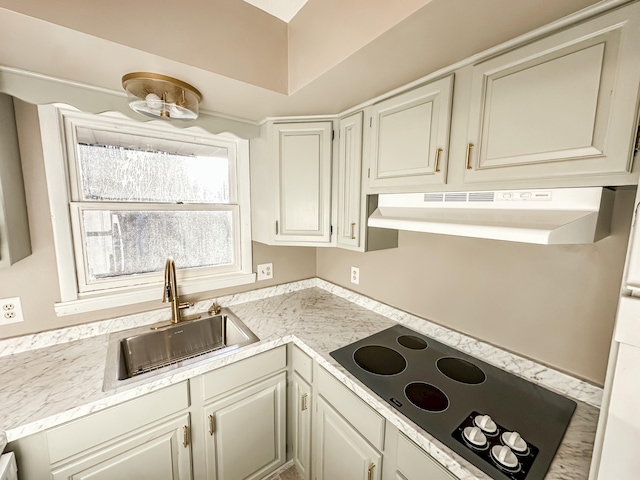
(265, 271)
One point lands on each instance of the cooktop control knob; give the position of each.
(504, 456)
(485, 423)
(515, 441)
(475, 436)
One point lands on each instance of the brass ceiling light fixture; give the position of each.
(160, 96)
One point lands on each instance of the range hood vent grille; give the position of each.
(551, 216)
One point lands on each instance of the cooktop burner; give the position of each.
(460, 370)
(508, 427)
(426, 396)
(412, 342)
(380, 360)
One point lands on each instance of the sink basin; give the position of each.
(143, 352)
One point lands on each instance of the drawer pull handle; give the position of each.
(370, 471)
(353, 234)
(185, 438)
(438, 153)
(211, 424)
(469, 148)
(304, 405)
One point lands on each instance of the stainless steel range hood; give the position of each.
(550, 216)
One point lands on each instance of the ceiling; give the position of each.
(331, 56)
(285, 10)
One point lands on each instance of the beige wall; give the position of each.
(231, 38)
(312, 52)
(554, 304)
(35, 279)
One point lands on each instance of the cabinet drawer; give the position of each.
(415, 464)
(87, 432)
(302, 363)
(366, 420)
(232, 376)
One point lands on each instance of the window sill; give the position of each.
(103, 301)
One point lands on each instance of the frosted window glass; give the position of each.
(120, 243)
(118, 174)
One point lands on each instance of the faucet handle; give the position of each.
(214, 309)
(184, 305)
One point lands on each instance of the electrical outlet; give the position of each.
(11, 311)
(355, 275)
(265, 271)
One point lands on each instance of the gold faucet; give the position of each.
(170, 291)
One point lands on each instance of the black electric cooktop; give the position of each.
(506, 426)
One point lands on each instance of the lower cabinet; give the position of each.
(348, 436)
(301, 407)
(231, 424)
(147, 438)
(412, 463)
(341, 451)
(246, 431)
(161, 452)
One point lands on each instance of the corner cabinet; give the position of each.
(354, 205)
(563, 106)
(291, 184)
(300, 407)
(410, 138)
(350, 215)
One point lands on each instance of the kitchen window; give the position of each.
(137, 193)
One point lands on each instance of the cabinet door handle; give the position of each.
(353, 233)
(185, 438)
(438, 153)
(212, 424)
(304, 405)
(277, 227)
(370, 471)
(469, 148)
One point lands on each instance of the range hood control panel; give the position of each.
(523, 196)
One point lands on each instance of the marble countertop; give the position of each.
(51, 378)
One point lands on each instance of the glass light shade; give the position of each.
(159, 96)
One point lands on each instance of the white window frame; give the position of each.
(57, 126)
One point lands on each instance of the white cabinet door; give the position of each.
(341, 452)
(303, 155)
(246, 431)
(560, 107)
(350, 211)
(302, 409)
(410, 139)
(414, 464)
(162, 452)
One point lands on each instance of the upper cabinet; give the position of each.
(410, 138)
(349, 184)
(15, 241)
(291, 184)
(561, 111)
(559, 107)
(354, 205)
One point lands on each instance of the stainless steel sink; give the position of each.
(142, 352)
